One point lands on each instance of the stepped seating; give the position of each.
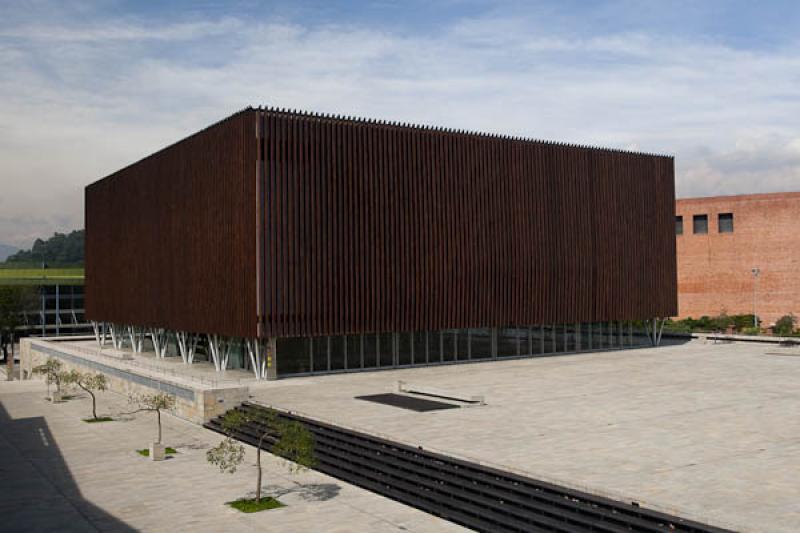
(469, 494)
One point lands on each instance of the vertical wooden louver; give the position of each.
(384, 227)
(370, 227)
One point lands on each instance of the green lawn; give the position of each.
(145, 452)
(38, 276)
(246, 505)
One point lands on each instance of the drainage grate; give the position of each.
(407, 402)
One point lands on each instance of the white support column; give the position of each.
(159, 337)
(216, 345)
(187, 345)
(116, 336)
(136, 336)
(256, 351)
(96, 329)
(655, 330)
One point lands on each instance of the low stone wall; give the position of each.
(193, 403)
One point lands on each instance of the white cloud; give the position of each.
(78, 101)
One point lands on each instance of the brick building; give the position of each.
(720, 240)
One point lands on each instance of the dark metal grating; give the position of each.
(469, 494)
(420, 405)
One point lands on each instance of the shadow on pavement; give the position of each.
(313, 492)
(37, 490)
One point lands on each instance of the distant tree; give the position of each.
(158, 402)
(64, 249)
(89, 382)
(293, 441)
(14, 301)
(785, 325)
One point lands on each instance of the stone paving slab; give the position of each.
(707, 431)
(58, 473)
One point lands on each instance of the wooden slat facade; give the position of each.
(170, 240)
(371, 227)
(379, 227)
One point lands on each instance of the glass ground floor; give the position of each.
(316, 355)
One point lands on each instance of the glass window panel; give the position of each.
(546, 332)
(434, 347)
(639, 334)
(725, 222)
(448, 341)
(420, 347)
(558, 337)
(481, 343)
(337, 352)
(386, 347)
(292, 355)
(700, 224)
(405, 343)
(353, 352)
(319, 347)
(463, 345)
(570, 338)
(586, 336)
(609, 338)
(507, 344)
(678, 225)
(237, 356)
(534, 341)
(597, 336)
(370, 343)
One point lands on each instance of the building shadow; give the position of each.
(37, 490)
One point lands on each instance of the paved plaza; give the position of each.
(58, 473)
(708, 431)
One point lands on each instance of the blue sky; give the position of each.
(88, 87)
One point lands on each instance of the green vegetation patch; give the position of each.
(249, 505)
(102, 419)
(145, 452)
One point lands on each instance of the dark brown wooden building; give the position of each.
(359, 244)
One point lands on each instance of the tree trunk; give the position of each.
(94, 401)
(158, 412)
(258, 483)
(11, 360)
(258, 466)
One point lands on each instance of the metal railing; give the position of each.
(158, 369)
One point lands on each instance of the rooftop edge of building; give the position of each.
(388, 123)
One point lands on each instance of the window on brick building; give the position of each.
(726, 222)
(679, 225)
(700, 224)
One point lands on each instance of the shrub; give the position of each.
(785, 325)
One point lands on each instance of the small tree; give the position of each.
(292, 441)
(53, 373)
(153, 402)
(89, 382)
(785, 324)
(14, 301)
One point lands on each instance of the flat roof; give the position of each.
(741, 197)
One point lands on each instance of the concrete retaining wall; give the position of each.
(193, 403)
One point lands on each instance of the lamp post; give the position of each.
(756, 272)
